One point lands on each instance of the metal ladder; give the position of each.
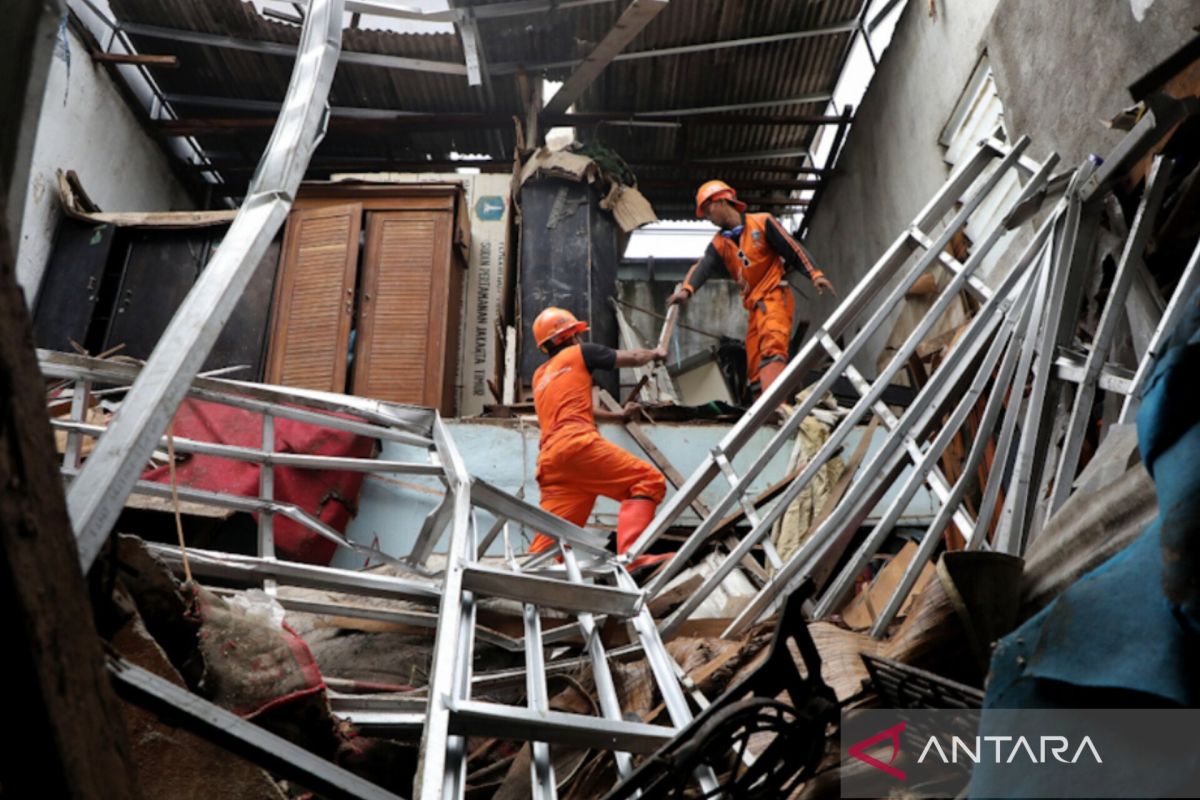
(452, 715)
(880, 290)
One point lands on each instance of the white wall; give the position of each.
(86, 126)
(892, 163)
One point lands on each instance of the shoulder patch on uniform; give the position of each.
(756, 235)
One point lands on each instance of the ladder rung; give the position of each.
(549, 592)
(980, 289)
(936, 482)
(1070, 366)
(732, 477)
(475, 718)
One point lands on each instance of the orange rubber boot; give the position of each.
(769, 373)
(634, 516)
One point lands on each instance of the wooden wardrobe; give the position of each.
(382, 264)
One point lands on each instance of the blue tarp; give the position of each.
(1128, 633)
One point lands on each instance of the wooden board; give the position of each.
(861, 611)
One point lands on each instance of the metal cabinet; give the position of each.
(107, 288)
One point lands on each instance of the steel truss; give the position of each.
(590, 591)
(879, 292)
(1022, 335)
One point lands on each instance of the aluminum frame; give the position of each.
(96, 497)
(824, 340)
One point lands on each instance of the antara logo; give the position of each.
(1057, 745)
(1003, 750)
(858, 750)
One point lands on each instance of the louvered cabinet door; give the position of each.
(400, 354)
(314, 298)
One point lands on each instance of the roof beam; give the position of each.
(795, 152)
(580, 120)
(400, 123)
(495, 10)
(754, 183)
(413, 163)
(137, 59)
(812, 97)
(631, 22)
(376, 165)
(825, 30)
(288, 50)
(468, 33)
(766, 202)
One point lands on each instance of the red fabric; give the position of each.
(328, 495)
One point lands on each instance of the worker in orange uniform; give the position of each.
(755, 251)
(575, 463)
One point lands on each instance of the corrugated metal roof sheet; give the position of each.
(710, 77)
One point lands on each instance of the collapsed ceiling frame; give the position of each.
(210, 175)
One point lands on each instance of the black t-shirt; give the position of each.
(598, 356)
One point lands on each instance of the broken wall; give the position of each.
(87, 126)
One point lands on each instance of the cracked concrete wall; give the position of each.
(86, 126)
(1061, 68)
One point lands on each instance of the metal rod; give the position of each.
(266, 491)
(273, 459)
(551, 593)
(377, 417)
(606, 692)
(1178, 305)
(437, 763)
(254, 505)
(228, 730)
(1114, 308)
(665, 671)
(79, 406)
(252, 570)
(1012, 413)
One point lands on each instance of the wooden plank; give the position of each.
(861, 611)
(636, 16)
(72, 742)
(139, 59)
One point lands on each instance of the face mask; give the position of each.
(734, 234)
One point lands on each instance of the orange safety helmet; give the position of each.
(716, 190)
(554, 325)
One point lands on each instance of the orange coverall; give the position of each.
(575, 463)
(754, 255)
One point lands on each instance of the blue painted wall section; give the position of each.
(504, 453)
